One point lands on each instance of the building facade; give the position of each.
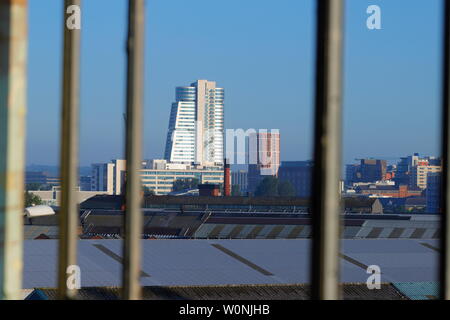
(368, 170)
(41, 178)
(433, 193)
(240, 178)
(401, 191)
(157, 175)
(161, 181)
(196, 125)
(419, 174)
(108, 177)
(298, 173)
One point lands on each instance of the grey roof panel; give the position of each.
(197, 262)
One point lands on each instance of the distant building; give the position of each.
(53, 197)
(433, 193)
(161, 181)
(351, 171)
(298, 173)
(209, 190)
(419, 174)
(108, 177)
(240, 178)
(264, 157)
(158, 176)
(85, 183)
(41, 178)
(403, 171)
(388, 191)
(159, 164)
(368, 170)
(372, 170)
(410, 170)
(196, 127)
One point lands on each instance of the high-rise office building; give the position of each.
(196, 125)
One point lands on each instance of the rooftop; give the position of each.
(231, 262)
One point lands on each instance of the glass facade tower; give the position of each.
(196, 125)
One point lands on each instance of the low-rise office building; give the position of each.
(161, 181)
(157, 175)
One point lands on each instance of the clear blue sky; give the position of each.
(262, 53)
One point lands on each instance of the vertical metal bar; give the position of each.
(326, 207)
(133, 211)
(69, 215)
(13, 83)
(445, 184)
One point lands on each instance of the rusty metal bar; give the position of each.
(326, 207)
(133, 211)
(69, 215)
(13, 84)
(445, 192)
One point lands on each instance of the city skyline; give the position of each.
(329, 111)
(382, 106)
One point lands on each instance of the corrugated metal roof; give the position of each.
(418, 290)
(198, 262)
(241, 292)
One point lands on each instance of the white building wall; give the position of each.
(196, 125)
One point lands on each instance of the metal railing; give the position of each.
(327, 150)
(69, 217)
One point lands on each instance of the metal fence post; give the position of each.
(133, 192)
(326, 208)
(445, 193)
(13, 84)
(69, 213)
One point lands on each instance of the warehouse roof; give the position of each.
(231, 262)
(350, 291)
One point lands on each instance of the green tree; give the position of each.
(32, 199)
(235, 190)
(268, 187)
(33, 186)
(183, 184)
(286, 189)
(271, 186)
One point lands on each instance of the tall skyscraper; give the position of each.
(196, 125)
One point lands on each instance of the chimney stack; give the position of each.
(227, 179)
